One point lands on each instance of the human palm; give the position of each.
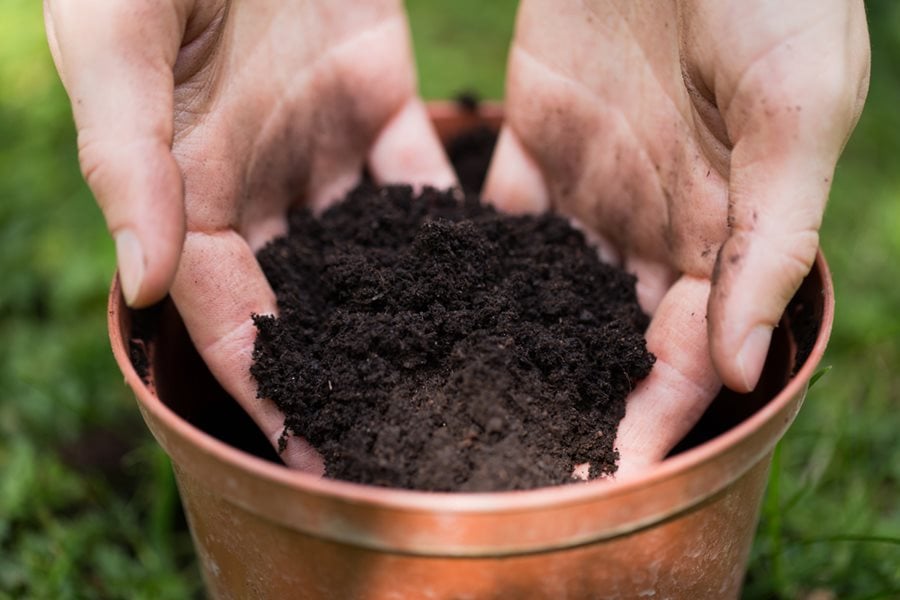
(697, 140)
(201, 122)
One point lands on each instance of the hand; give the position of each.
(201, 121)
(697, 139)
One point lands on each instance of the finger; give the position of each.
(52, 41)
(115, 60)
(514, 181)
(606, 250)
(408, 150)
(669, 402)
(653, 281)
(758, 270)
(218, 287)
(790, 120)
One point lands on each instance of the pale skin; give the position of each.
(697, 140)
(200, 122)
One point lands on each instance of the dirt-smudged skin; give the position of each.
(435, 344)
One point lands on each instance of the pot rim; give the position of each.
(474, 502)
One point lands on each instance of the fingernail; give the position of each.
(131, 264)
(752, 357)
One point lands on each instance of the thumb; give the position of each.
(781, 170)
(776, 216)
(115, 60)
(790, 113)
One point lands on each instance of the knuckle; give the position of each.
(93, 158)
(799, 252)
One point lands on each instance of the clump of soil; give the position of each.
(434, 344)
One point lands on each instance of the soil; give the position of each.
(804, 325)
(431, 343)
(470, 153)
(144, 326)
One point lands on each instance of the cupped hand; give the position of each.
(697, 139)
(201, 121)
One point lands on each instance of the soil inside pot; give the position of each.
(431, 343)
(471, 149)
(471, 152)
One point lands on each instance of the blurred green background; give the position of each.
(87, 503)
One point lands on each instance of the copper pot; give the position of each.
(683, 529)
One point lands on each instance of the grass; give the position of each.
(87, 504)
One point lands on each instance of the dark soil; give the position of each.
(470, 153)
(804, 325)
(468, 100)
(432, 343)
(144, 326)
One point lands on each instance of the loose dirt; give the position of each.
(431, 343)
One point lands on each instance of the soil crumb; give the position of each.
(432, 343)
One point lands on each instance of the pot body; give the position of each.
(683, 529)
(701, 553)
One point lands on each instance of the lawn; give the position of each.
(87, 501)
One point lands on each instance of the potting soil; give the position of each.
(471, 152)
(431, 343)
